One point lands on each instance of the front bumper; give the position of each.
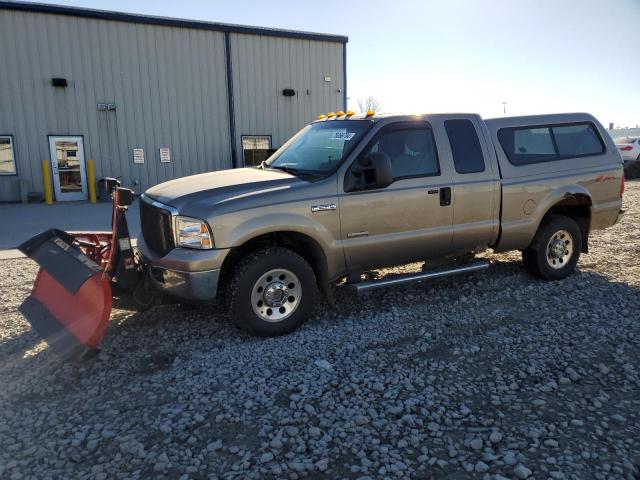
(195, 286)
(185, 273)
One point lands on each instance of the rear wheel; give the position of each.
(273, 291)
(555, 249)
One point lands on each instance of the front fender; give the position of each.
(277, 222)
(323, 229)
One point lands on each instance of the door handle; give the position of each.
(445, 196)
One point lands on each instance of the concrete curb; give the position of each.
(10, 254)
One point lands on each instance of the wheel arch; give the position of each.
(574, 203)
(300, 243)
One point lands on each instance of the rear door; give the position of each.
(475, 180)
(410, 219)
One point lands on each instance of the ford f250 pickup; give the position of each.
(349, 193)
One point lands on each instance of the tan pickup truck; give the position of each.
(349, 193)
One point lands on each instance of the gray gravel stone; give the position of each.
(522, 472)
(266, 457)
(476, 443)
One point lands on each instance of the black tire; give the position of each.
(535, 256)
(251, 269)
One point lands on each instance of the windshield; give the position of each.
(319, 147)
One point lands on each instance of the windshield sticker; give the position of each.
(342, 135)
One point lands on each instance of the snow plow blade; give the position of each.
(70, 303)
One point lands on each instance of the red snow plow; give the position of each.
(71, 300)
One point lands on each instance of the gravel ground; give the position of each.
(494, 375)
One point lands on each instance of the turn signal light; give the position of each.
(321, 116)
(339, 113)
(349, 113)
(370, 113)
(331, 114)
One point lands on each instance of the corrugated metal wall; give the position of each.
(264, 66)
(168, 84)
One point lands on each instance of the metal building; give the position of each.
(150, 98)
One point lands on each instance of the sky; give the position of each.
(539, 56)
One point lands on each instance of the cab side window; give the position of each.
(411, 151)
(465, 146)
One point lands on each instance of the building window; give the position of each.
(7, 156)
(256, 149)
(465, 146)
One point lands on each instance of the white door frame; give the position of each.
(55, 172)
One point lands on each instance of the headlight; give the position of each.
(192, 233)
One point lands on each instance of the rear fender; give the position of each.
(518, 233)
(566, 196)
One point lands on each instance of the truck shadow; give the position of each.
(506, 276)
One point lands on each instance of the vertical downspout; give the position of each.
(232, 117)
(344, 75)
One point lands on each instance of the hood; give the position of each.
(219, 186)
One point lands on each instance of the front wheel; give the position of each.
(555, 249)
(273, 292)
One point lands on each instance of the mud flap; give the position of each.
(70, 303)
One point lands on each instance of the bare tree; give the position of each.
(368, 104)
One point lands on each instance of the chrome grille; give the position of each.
(156, 224)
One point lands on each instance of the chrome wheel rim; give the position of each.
(276, 295)
(559, 249)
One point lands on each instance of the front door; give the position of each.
(68, 168)
(407, 221)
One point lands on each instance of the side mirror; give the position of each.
(125, 196)
(111, 183)
(369, 172)
(381, 166)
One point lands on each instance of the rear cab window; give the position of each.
(465, 146)
(547, 143)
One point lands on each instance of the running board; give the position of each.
(362, 287)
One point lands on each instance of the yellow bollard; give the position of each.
(46, 183)
(91, 180)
